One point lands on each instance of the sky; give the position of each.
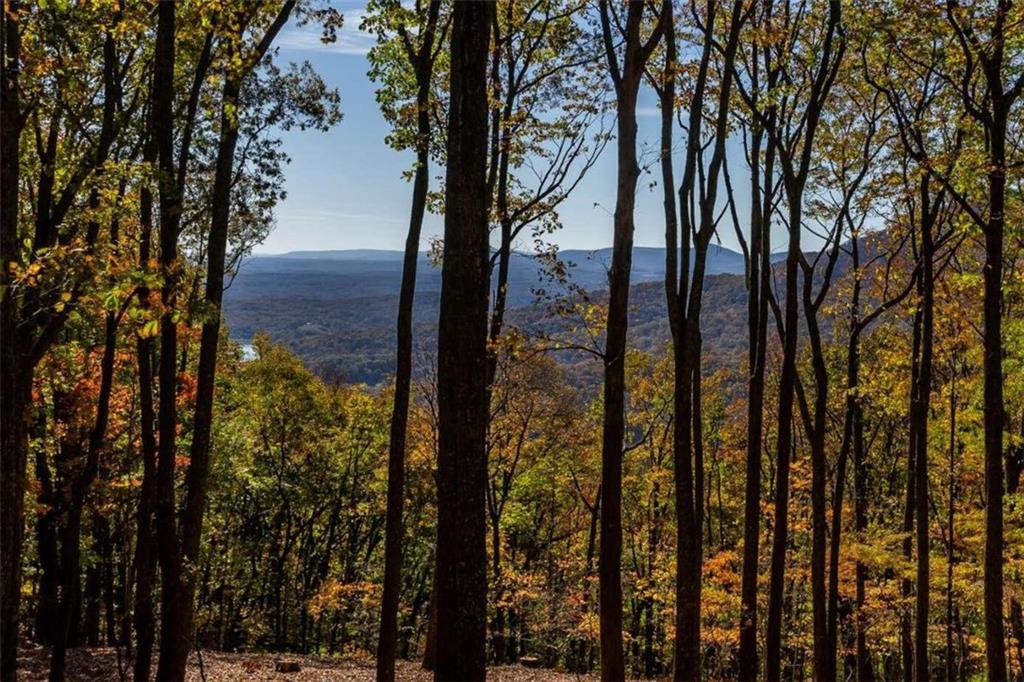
(345, 188)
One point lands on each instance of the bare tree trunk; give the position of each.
(824, 661)
(462, 360)
(423, 62)
(865, 672)
(920, 408)
(852, 407)
(909, 506)
(15, 396)
(627, 84)
(784, 444)
(47, 551)
(170, 209)
(1014, 467)
(995, 646)
(430, 645)
(758, 281)
(145, 550)
(950, 518)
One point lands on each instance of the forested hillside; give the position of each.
(487, 455)
(336, 310)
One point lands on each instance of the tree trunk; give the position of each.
(70, 555)
(145, 550)
(462, 360)
(1014, 466)
(784, 444)
(15, 390)
(995, 648)
(865, 673)
(92, 598)
(177, 618)
(613, 424)
(758, 281)
(47, 551)
(180, 620)
(852, 380)
(919, 423)
(909, 506)
(172, 647)
(394, 528)
(824, 668)
(950, 518)
(430, 643)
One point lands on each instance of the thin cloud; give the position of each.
(312, 216)
(351, 40)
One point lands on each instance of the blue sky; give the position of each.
(345, 188)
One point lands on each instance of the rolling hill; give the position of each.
(336, 309)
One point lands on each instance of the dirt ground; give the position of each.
(86, 665)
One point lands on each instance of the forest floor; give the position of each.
(86, 665)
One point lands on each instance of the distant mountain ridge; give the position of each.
(337, 309)
(589, 267)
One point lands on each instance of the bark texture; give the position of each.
(462, 360)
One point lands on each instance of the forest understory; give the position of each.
(102, 663)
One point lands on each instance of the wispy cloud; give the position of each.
(648, 112)
(351, 40)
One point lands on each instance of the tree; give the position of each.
(757, 257)
(684, 287)
(544, 76)
(75, 134)
(635, 53)
(791, 126)
(1000, 92)
(461, 567)
(422, 56)
(16, 394)
(180, 540)
(987, 64)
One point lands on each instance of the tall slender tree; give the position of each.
(461, 569)
(167, 414)
(145, 541)
(635, 53)
(791, 123)
(183, 535)
(15, 393)
(70, 550)
(757, 255)
(684, 287)
(420, 50)
(986, 59)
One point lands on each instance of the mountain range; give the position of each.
(336, 309)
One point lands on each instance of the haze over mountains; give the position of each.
(336, 309)
(362, 272)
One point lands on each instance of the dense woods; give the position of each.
(808, 471)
